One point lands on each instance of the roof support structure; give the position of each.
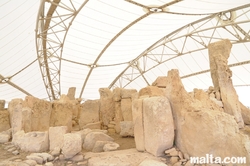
(51, 31)
(201, 32)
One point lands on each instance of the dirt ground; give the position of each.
(124, 142)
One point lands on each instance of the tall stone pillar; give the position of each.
(221, 75)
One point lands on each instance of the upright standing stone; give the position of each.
(39, 114)
(118, 116)
(56, 136)
(2, 104)
(126, 108)
(158, 125)
(221, 75)
(138, 124)
(89, 113)
(71, 93)
(15, 110)
(4, 120)
(107, 106)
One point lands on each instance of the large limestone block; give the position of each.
(72, 144)
(35, 141)
(56, 136)
(127, 93)
(215, 133)
(137, 113)
(107, 106)
(221, 76)
(150, 91)
(201, 130)
(127, 128)
(61, 114)
(89, 112)
(126, 108)
(15, 110)
(4, 120)
(39, 114)
(158, 125)
(93, 137)
(160, 82)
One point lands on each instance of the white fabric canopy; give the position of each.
(48, 46)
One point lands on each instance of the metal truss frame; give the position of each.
(52, 28)
(51, 32)
(226, 21)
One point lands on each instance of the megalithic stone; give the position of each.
(219, 53)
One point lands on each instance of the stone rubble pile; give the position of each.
(169, 125)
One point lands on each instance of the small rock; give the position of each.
(174, 153)
(56, 151)
(186, 156)
(180, 154)
(61, 157)
(83, 163)
(77, 158)
(11, 149)
(111, 146)
(174, 160)
(30, 162)
(9, 146)
(49, 164)
(111, 130)
(16, 152)
(177, 164)
(38, 159)
(4, 138)
(170, 150)
(18, 160)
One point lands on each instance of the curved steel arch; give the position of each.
(134, 70)
(51, 31)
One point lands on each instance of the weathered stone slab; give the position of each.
(128, 157)
(126, 108)
(32, 141)
(127, 128)
(118, 117)
(213, 126)
(72, 144)
(107, 106)
(15, 110)
(4, 120)
(61, 114)
(93, 137)
(138, 124)
(219, 53)
(158, 125)
(89, 112)
(56, 136)
(39, 114)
